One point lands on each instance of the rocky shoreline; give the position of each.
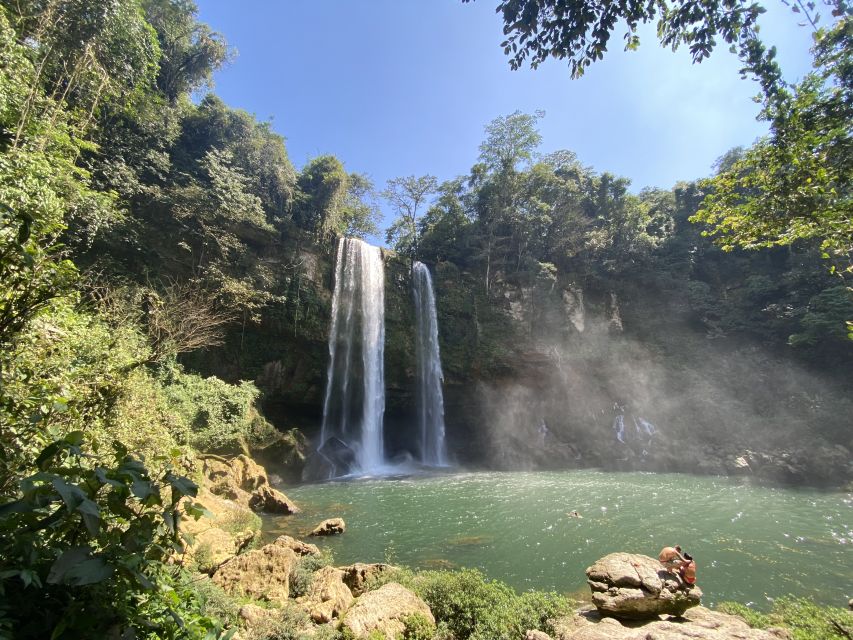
(292, 582)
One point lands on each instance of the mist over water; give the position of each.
(751, 543)
(707, 404)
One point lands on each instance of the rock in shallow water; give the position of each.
(633, 586)
(329, 527)
(271, 500)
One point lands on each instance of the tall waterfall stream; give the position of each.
(354, 404)
(430, 377)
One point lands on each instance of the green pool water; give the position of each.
(752, 543)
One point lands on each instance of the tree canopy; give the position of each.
(796, 183)
(580, 31)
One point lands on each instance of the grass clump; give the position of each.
(303, 572)
(289, 623)
(473, 607)
(240, 520)
(214, 602)
(418, 627)
(805, 619)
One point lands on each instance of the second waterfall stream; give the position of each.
(430, 377)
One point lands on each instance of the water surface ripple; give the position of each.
(752, 543)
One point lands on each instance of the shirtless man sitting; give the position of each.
(671, 558)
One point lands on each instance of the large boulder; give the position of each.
(265, 498)
(384, 610)
(356, 575)
(633, 586)
(284, 453)
(297, 546)
(697, 624)
(244, 481)
(328, 597)
(254, 616)
(334, 458)
(249, 474)
(263, 574)
(330, 527)
(227, 528)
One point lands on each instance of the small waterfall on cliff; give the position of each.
(430, 377)
(355, 389)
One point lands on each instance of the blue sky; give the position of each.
(401, 87)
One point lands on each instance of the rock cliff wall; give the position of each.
(537, 370)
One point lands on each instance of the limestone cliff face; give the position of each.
(537, 368)
(536, 373)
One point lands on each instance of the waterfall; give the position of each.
(354, 404)
(430, 377)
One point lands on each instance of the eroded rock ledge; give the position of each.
(698, 623)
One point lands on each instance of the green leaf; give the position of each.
(181, 485)
(142, 488)
(16, 506)
(120, 450)
(59, 629)
(197, 510)
(25, 229)
(169, 519)
(143, 580)
(26, 577)
(71, 495)
(77, 567)
(103, 478)
(47, 454)
(91, 516)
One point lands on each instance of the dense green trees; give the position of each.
(796, 184)
(521, 218)
(89, 148)
(793, 185)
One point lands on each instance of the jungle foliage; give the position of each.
(526, 220)
(793, 185)
(148, 239)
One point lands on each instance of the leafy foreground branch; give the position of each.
(84, 550)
